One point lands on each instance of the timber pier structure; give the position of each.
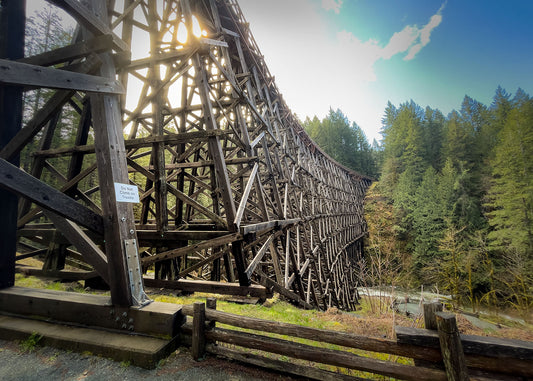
(170, 101)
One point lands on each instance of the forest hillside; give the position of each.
(453, 205)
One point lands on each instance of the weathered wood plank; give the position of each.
(64, 275)
(88, 309)
(93, 22)
(174, 253)
(245, 195)
(12, 17)
(90, 251)
(430, 319)
(262, 226)
(451, 348)
(283, 291)
(31, 254)
(373, 344)
(308, 372)
(497, 347)
(70, 52)
(198, 331)
(158, 149)
(489, 353)
(160, 58)
(212, 287)
(324, 355)
(16, 73)
(119, 221)
(19, 182)
(180, 235)
(137, 143)
(259, 256)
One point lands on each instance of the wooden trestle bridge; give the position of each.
(171, 99)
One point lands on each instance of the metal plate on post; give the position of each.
(134, 273)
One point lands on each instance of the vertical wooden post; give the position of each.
(198, 331)
(211, 303)
(12, 22)
(451, 347)
(215, 150)
(430, 321)
(158, 148)
(119, 223)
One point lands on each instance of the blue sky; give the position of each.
(358, 54)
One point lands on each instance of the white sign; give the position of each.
(126, 193)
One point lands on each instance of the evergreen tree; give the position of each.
(388, 119)
(500, 108)
(404, 138)
(344, 142)
(447, 190)
(461, 147)
(45, 31)
(428, 222)
(432, 135)
(404, 197)
(511, 193)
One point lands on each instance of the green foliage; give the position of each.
(31, 342)
(385, 262)
(344, 142)
(428, 221)
(461, 188)
(511, 194)
(45, 31)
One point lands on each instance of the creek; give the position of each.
(410, 303)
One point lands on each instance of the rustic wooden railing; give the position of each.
(467, 356)
(486, 358)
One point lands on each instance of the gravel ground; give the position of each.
(45, 364)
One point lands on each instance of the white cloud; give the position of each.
(332, 5)
(316, 70)
(400, 42)
(423, 35)
(413, 50)
(411, 39)
(426, 31)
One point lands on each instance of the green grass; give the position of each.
(33, 282)
(29, 281)
(30, 343)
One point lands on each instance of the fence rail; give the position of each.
(486, 358)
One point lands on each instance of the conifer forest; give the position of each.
(452, 209)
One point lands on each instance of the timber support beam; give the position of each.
(219, 187)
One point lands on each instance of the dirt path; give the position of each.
(49, 364)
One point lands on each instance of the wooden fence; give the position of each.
(442, 355)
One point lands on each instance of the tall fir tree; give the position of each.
(344, 142)
(511, 192)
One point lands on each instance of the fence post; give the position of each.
(198, 331)
(211, 304)
(430, 321)
(451, 347)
